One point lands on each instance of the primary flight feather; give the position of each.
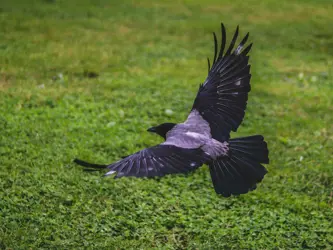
(204, 138)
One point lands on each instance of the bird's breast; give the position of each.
(196, 136)
(184, 138)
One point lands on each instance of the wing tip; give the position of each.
(88, 165)
(219, 54)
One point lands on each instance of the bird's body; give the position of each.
(204, 137)
(195, 133)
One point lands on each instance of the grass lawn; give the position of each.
(87, 78)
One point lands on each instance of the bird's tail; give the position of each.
(241, 170)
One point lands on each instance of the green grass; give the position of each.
(150, 57)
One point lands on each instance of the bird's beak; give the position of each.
(152, 130)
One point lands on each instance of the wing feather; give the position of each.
(222, 98)
(155, 161)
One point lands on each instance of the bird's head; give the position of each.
(162, 129)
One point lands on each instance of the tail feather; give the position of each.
(241, 170)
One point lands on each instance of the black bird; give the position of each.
(204, 138)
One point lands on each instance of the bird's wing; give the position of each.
(155, 161)
(222, 98)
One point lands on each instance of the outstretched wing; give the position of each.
(155, 161)
(222, 98)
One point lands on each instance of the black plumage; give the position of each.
(241, 171)
(204, 138)
(222, 98)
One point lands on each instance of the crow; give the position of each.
(204, 138)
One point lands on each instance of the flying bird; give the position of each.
(204, 137)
